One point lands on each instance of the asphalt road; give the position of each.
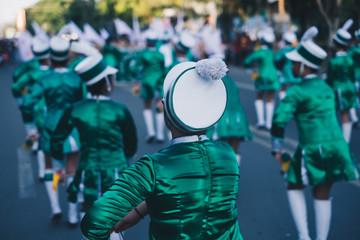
(262, 204)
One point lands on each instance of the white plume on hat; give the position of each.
(309, 34)
(83, 47)
(213, 69)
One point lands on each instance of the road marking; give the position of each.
(26, 179)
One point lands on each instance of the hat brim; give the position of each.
(296, 57)
(108, 71)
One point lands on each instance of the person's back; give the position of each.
(198, 202)
(106, 132)
(341, 73)
(315, 116)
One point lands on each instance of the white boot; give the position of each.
(353, 115)
(41, 163)
(238, 158)
(322, 218)
(346, 129)
(115, 236)
(269, 113)
(282, 94)
(73, 217)
(149, 123)
(53, 195)
(160, 126)
(259, 108)
(298, 210)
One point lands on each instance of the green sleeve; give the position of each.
(129, 135)
(30, 100)
(285, 111)
(18, 86)
(250, 59)
(62, 131)
(127, 192)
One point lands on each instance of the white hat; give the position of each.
(267, 35)
(150, 34)
(59, 48)
(186, 41)
(195, 96)
(308, 52)
(83, 47)
(93, 68)
(342, 36)
(289, 36)
(40, 48)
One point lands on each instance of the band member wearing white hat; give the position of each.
(153, 67)
(284, 65)
(354, 53)
(189, 187)
(267, 80)
(61, 88)
(322, 156)
(106, 129)
(341, 78)
(23, 85)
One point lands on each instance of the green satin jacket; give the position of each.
(322, 152)
(24, 67)
(60, 89)
(268, 78)
(354, 53)
(28, 79)
(285, 65)
(106, 129)
(341, 78)
(190, 189)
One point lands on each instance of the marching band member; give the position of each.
(23, 86)
(354, 53)
(322, 156)
(153, 67)
(341, 78)
(267, 81)
(284, 65)
(189, 187)
(60, 89)
(106, 130)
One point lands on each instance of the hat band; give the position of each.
(40, 53)
(341, 38)
(59, 54)
(94, 71)
(309, 56)
(182, 47)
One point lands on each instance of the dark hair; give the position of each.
(59, 63)
(339, 45)
(98, 88)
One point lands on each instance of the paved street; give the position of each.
(262, 205)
